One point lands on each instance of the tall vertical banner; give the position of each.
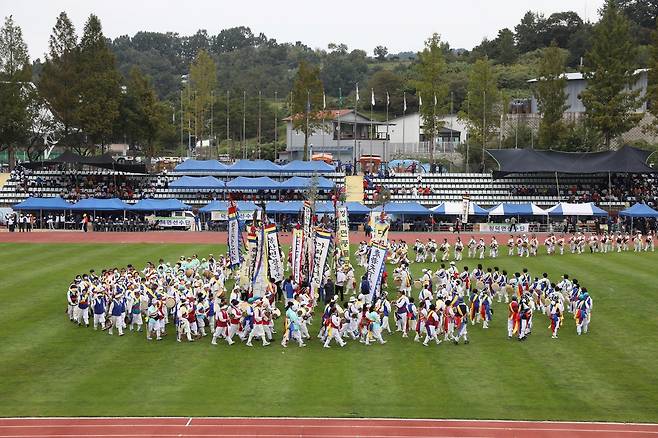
(322, 243)
(275, 262)
(297, 254)
(375, 268)
(252, 251)
(234, 239)
(343, 232)
(466, 206)
(307, 227)
(259, 278)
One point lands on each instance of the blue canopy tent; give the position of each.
(324, 207)
(404, 208)
(299, 166)
(355, 208)
(94, 204)
(223, 206)
(455, 209)
(259, 183)
(254, 166)
(201, 166)
(197, 182)
(639, 210)
(569, 209)
(288, 207)
(300, 183)
(509, 209)
(47, 204)
(159, 205)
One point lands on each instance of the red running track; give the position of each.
(309, 427)
(206, 237)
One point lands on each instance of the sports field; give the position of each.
(49, 367)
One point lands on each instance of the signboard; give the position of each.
(466, 205)
(504, 228)
(223, 215)
(174, 222)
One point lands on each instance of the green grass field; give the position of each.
(49, 367)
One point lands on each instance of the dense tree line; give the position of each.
(158, 90)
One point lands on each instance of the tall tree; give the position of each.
(380, 53)
(143, 116)
(529, 32)
(15, 90)
(431, 85)
(99, 86)
(506, 51)
(551, 95)
(610, 103)
(307, 102)
(652, 86)
(483, 108)
(59, 84)
(201, 84)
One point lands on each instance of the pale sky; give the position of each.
(398, 25)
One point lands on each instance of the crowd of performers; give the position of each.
(191, 299)
(521, 245)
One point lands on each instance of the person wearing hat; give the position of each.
(292, 325)
(445, 249)
(582, 314)
(184, 327)
(461, 321)
(432, 248)
(221, 325)
(555, 314)
(99, 306)
(471, 247)
(333, 323)
(258, 330)
(374, 326)
(234, 318)
(493, 247)
(72, 301)
(341, 279)
(432, 322)
(116, 311)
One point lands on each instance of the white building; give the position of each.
(407, 138)
(402, 137)
(576, 84)
(343, 132)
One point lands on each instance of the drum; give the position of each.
(189, 273)
(207, 274)
(495, 287)
(418, 284)
(276, 313)
(170, 302)
(509, 289)
(143, 306)
(479, 285)
(397, 281)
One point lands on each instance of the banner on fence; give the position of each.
(504, 228)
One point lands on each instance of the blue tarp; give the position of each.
(405, 208)
(324, 207)
(288, 207)
(93, 204)
(509, 209)
(308, 166)
(160, 205)
(456, 209)
(255, 166)
(638, 210)
(55, 203)
(200, 166)
(223, 206)
(354, 208)
(259, 183)
(197, 182)
(300, 183)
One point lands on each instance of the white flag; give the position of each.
(435, 100)
(357, 92)
(420, 100)
(388, 99)
(372, 97)
(404, 102)
(324, 101)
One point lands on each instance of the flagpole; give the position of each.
(404, 117)
(308, 109)
(276, 116)
(228, 141)
(386, 139)
(244, 124)
(356, 104)
(259, 121)
(340, 104)
(372, 100)
(324, 107)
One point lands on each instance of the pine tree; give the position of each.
(432, 86)
(59, 79)
(16, 96)
(610, 103)
(652, 86)
(99, 86)
(483, 108)
(551, 95)
(307, 102)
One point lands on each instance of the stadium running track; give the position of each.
(209, 237)
(309, 427)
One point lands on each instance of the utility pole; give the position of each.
(276, 116)
(212, 117)
(228, 141)
(244, 124)
(259, 120)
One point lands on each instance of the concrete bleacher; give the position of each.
(482, 188)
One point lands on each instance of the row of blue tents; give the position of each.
(354, 208)
(246, 183)
(253, 166)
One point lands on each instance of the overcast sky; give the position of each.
(399, 25)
